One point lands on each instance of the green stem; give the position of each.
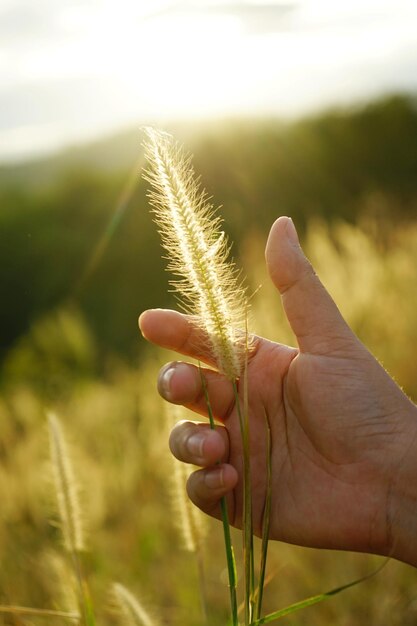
(265, 524)
(230, 557)
(247, 507)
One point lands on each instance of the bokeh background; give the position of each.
(304, 108)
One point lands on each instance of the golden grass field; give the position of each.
(118, 429)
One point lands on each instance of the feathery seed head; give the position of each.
(62, 580)
(133, 612)
(198, 250)
(66, 487)
(189, 519)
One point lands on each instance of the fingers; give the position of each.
(313, 315)
(199, 444)
(175, 331)
(206, 487)
(181, 383)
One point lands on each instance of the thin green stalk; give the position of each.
(230, 557)
(265, 524)
(247, 507)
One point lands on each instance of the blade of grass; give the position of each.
(24, 610)
(230, 557)
(265, 524)
(297, 606)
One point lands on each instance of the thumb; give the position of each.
(311, 312)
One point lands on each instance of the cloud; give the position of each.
(69, 68)
(255, 17)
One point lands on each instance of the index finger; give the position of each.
(176, 331)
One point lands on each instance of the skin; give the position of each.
(344, 435)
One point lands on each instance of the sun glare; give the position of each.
(174, 65)
(92, 66)
(164, 63)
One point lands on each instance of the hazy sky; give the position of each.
(70, 70)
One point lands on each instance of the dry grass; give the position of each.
(118, 426)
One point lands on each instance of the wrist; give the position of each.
(401, 515)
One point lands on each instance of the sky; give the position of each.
(74, 70)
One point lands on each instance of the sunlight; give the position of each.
(188, 65)
(93, 66)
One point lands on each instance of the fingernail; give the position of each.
(141, 316)
(214, 478)
(195, 444)
(164, 381)
(291, 232)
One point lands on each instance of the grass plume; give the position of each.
(198, 250)
(207, 283)
(189, 520)
(133, 612)
(69, 509)
(62, 582)
(188, 517)
(66, 488)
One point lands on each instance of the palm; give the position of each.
(323, 457)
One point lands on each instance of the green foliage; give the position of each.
(57, 352)
(68, 234)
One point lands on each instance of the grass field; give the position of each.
(76, 356)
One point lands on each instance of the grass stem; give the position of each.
(230, 557)
(265, 524)
(247, 527)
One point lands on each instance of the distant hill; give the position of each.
(117, 151)
(114, 153)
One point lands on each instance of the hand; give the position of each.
(344, 458)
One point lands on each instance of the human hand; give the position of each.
(344, 460)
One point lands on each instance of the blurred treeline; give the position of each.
(80, 258)
(72, 235)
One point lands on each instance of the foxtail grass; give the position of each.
(207, 284)
(198, 252)
(66, 488)
(188, 518)
(62, 581)
(132, 611)
(69, 510)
